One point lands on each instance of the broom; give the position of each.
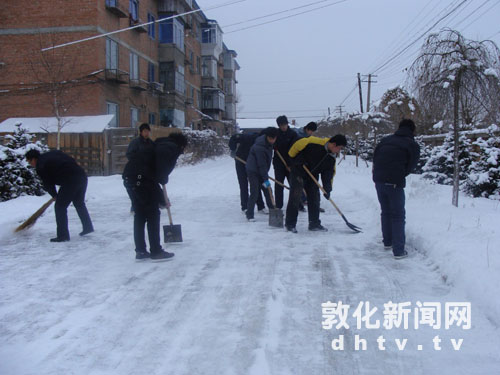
(33, 218)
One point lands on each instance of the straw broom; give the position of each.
(33, 218)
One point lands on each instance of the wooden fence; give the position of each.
(100, 154)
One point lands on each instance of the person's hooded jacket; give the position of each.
(260, 157)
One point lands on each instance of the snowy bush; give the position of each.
(425, 153)
(202, 144)
(439, 166)
(484, 173)
(16, 175)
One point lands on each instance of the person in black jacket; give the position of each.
(258, 164)
(240, 145)
(57, 168)
(142, 147)
(142, 176)
(285, 140)
(395, 157)
(318, 155)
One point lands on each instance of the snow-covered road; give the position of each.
(238, 298)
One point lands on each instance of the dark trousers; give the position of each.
(241, 172)
(145, 201)
(255, 190)
(392, 204)
(280, 172)
(298, 184)
(73, 192)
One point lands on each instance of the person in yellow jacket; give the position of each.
(318, 155)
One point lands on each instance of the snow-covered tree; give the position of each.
(425, 154)
(397, 104)
(16, 175)
(483, 179)
(461, 76)
(439, 166)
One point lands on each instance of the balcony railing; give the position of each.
(116, 75)
(138, 84)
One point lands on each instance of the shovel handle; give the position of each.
(271, 196)
(321, 188)
(283, 160)
(272, 179)
(164, 188)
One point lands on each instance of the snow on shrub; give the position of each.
(484, 174)
(17, 177)
(202, 144)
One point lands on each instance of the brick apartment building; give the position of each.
(172, 73)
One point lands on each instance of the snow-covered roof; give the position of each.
(73, 124)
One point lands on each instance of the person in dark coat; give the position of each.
(57, 168)
(142, 147)
(285, 140)
(240, 145)
(318, 155)
(258, 164)
(395, 157)
(142, 176)
(307, 130)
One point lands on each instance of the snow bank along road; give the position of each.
(239, 297)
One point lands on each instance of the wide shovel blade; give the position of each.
(172, 233)
(275, 218)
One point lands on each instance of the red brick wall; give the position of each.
(22, 62)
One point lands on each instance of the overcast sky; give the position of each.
(301, 65)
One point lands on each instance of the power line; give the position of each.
(419, 37)
(276, 13)
(482, 14)
(140, 25)
(282, 18)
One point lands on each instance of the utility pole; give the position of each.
(328, 111)
(338, 109)
(370, 76)
(360, 93)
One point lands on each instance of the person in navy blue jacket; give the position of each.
(258, 164)
(57, 168)
(240, 145)
(395, 157)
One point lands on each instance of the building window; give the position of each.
(172, 77)
(172, 31)
(209, 34)
(133, 8)
(152, 118)
(134, 66)
(180, 85)
(134, 116)
(172, 117)
(209, 68)
(151, 72)
(113, 109)
(151, 27)
(111, 54)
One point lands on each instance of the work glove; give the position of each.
(233, 154)
(266, 184)
(327, 195)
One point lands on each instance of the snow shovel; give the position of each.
(33, 218)
(352, 226)
(171, 233)
(275, 214)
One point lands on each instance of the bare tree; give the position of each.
(56, 73)
(460, 76)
